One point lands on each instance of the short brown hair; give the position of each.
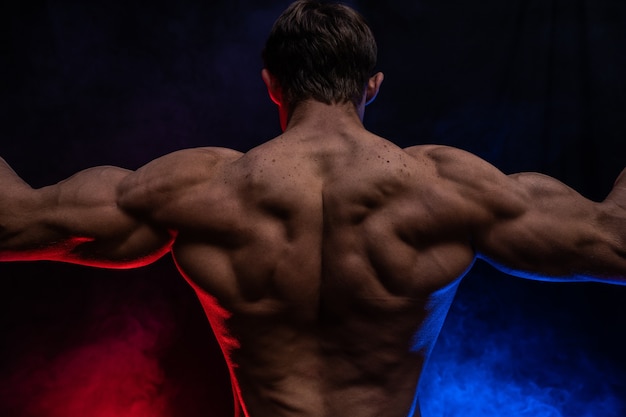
(326, 52)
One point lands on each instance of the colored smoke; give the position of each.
(494, 363)
(115, 372)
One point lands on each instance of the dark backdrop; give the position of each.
(527, 85)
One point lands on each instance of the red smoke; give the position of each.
(114, 374)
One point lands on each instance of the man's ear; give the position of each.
(373, 86)
(276, 94)
(273, 88)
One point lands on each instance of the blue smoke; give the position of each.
(492, 361)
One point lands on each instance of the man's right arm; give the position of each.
(558, 234)
(77, 220)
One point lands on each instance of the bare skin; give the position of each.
(326, 259)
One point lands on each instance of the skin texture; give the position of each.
(326, 259)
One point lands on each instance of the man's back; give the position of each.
(325, 271)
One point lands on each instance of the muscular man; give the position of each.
(327, 258)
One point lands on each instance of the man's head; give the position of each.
(324, 52)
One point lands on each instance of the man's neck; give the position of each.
(318, 116)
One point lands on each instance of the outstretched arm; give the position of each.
(77, 220)
(534, 226)
(558, 233)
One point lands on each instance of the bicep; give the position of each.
(79, 221)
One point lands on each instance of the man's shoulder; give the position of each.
(448, 158)
(434, 151)
(187, 163)
(208, 153)
(166, 178)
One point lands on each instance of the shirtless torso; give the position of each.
(324, 274)
(326, 259)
